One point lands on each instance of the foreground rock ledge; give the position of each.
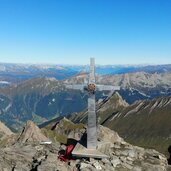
(31, 156)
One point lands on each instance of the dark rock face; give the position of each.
(145, 123)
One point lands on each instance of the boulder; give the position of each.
(31, 133)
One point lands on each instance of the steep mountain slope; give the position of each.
(104, 108)
(145, 123)
(38, 99)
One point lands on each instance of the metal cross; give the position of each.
(92, 87)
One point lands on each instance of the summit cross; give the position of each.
(92, 87)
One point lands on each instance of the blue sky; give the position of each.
(72, 31)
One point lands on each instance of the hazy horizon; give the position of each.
(58, 64)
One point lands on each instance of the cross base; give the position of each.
(81, 151)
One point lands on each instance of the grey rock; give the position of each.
(115, 161)
(4, 130)
(31, 133)
(97, 165)
(123, 156)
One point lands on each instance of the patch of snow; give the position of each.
(161, 103)
(45, 142)
(6, 109)
(4, 82)
(169, 102)
(143, 94)
(157, 104)
(147, 106)
(47, 84)
(53, 100)
(116, 115)
(50, 78)
(154, 105)
(1, 99)
(97, 166)
(133, 110)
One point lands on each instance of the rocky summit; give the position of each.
(4, 130)
(6, 135)
(28, 154)
(31, 133)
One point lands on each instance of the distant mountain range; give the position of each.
(15, 73)
(41, 99)
(122, 69)
(134, 86)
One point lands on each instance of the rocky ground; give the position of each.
(26, 153)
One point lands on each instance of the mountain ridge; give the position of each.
(15, 73)
(41, 99)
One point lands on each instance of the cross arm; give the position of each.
(106, 87)
(76, 86)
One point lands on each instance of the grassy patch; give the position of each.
(37, 119)
(61, 131)
(54, 136)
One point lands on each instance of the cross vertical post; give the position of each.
(92, 87)
(91, 126)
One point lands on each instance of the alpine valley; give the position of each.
(40, 98)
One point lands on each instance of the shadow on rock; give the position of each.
(169, 159)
